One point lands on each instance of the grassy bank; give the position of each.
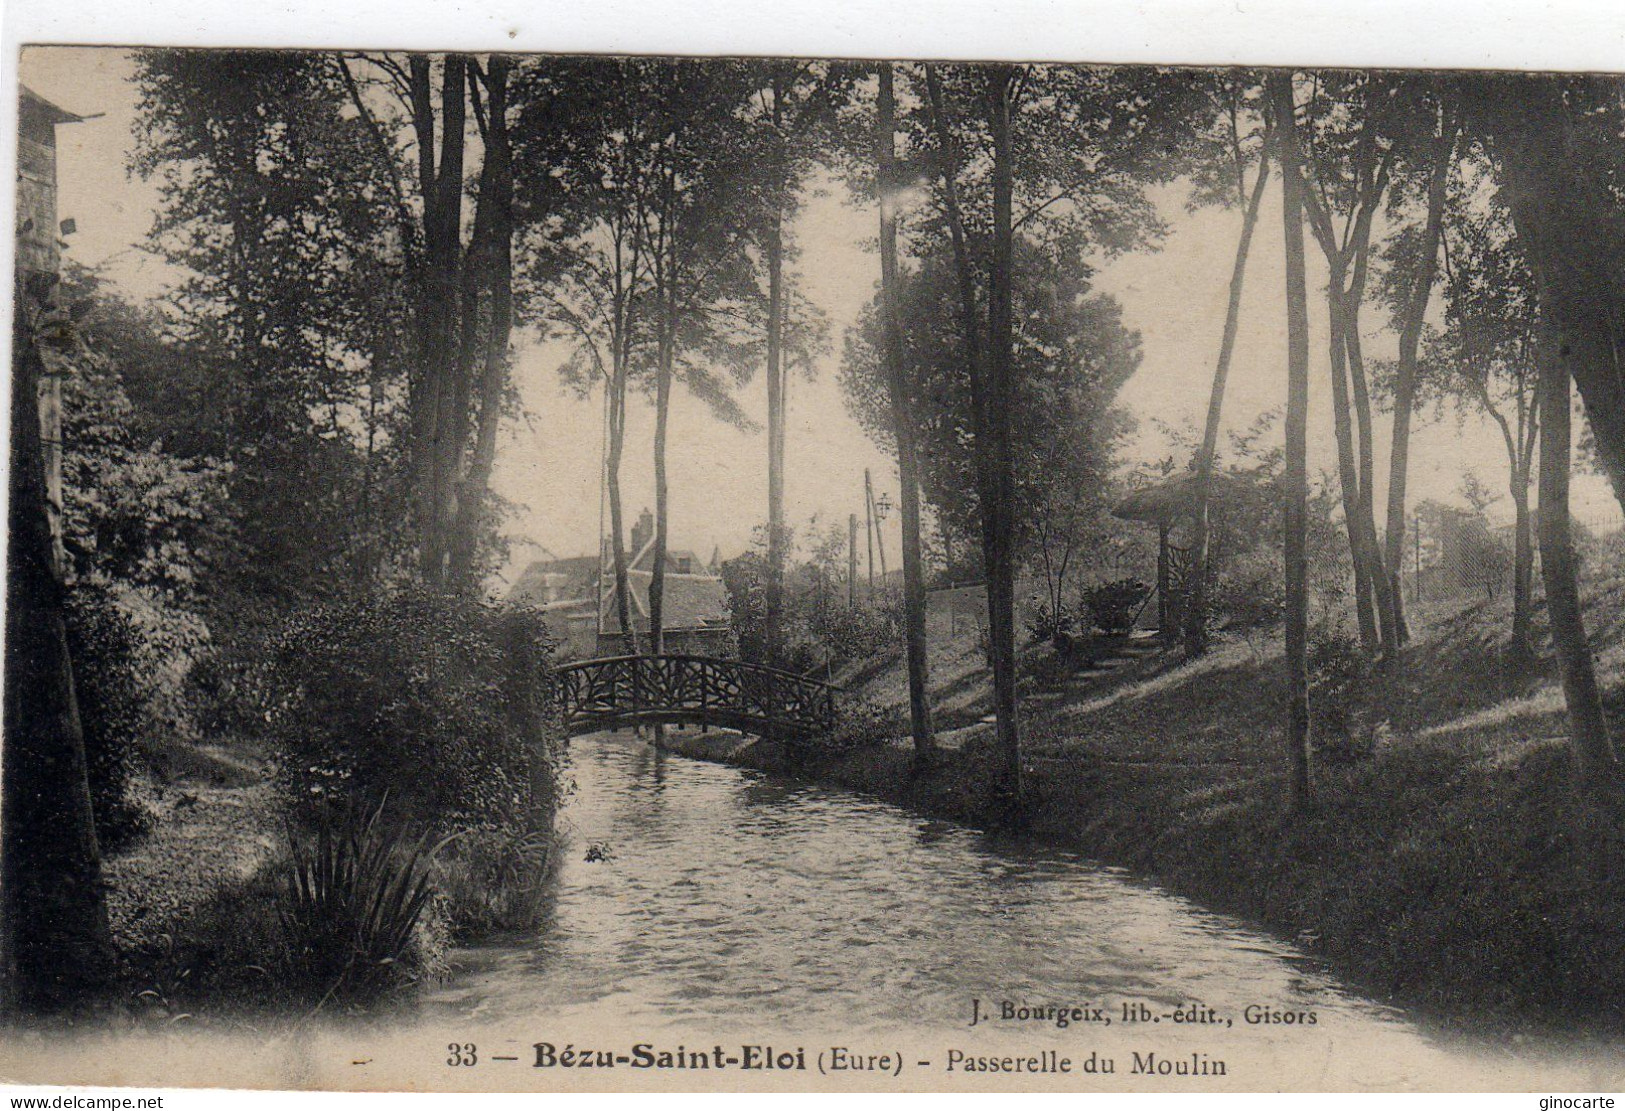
(378, 782)
(1448, 870)
(200, 905)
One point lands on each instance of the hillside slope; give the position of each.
(1448, 869)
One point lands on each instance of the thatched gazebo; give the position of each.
(1166, 504)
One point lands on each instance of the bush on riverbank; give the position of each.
(396, 722)
(494, 880)
(432, 700)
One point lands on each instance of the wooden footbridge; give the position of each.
(623, 691)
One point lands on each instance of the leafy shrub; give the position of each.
(112, 687)
(226, 691)
(845, 633)
(817, 628)
(1250, 591)
(431, 699)
(1340, 677)
(863, 723)
(493, 879)
(1045, 622)
(1048, 670)
(355, 893)
(1113, 606)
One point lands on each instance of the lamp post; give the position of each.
(875, 512)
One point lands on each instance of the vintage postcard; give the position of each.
(552, 572)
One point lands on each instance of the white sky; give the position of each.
(1175, 297)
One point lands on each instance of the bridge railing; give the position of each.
(702, 689)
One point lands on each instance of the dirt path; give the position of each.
(203, 838)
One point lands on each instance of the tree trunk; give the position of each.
(428, 309)
(1347, 259)
(970, 329)
(1000, 387)
(495, 268)
(1196, 617)
(1347, 468)
(908, 472)
(1520, 448)
(612, 481)
(1523, 566)
(776, 538)
(1556, 219)
(55, 947)
(657, 576)
(775, 437)
(1410, 338)
(1597, 769)
(1382, 590)
(852, 561)
(442, 219)
(451, 415)
(1296, 510)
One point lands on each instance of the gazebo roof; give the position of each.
(52, 113)
(1167, 501)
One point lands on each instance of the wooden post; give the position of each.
(1416, 587)
(869, 522)
(852, 561)
(1162, 581)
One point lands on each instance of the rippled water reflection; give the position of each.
(729, 904)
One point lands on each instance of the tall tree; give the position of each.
(1234, 95)
(1073, 354)
(654, 287)
(795, 109)
(965, 275)
(55, 946)
(1486, 357)
(1421, 266)
(903, 424)
(1089, 142)
(996, 457)
(439, 383)
(1596, 763)
(702, 283)
(1295, 513)
(600, 297)
(319, 199)
(423, 115)
(1561, 165)
(487, 307)
(465, 304)
(1561, 162)
(273, 202)
(1348, 164)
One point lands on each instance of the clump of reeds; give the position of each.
(356, 889)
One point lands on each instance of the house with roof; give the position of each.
(695, 614)
(576, 595)
(566, 592)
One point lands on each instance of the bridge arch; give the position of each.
(619, 691)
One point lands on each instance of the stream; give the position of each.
(698, 904)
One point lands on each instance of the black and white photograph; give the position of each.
(616, 570)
